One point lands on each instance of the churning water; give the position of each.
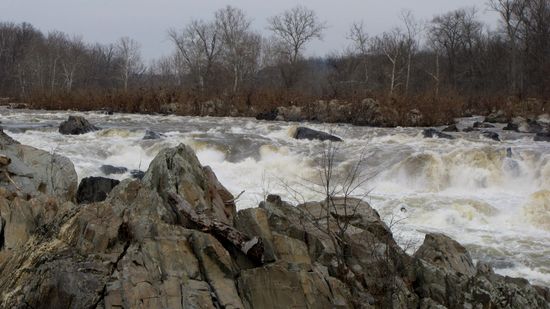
(493, 197)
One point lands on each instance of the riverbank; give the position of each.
(381, 111)
(138, 248)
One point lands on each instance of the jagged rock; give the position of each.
(451, 128)
(177, 170)
(134, 251)
(446, 253)
(491, 135)
(254, 222)
(33, 171)
(94, 189)
(432, 133)
(310, 134)
(152, 135)
(76, 125)
(110, 169)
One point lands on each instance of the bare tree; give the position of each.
(129, 52)
(240, 45)
(198, 47)
(360, 38)
(391, 45)
(296, 27)
(412, 28)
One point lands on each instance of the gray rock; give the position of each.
(110, 169)
(94, 189)
(310, 134)
(152, 135)
(446, 253)
(137, 174)
(76, 125)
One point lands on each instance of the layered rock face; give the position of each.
(134, 251)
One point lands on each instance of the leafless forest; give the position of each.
(451, 65)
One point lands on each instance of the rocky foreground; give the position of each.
(135, 249)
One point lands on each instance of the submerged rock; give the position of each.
(94, 189)
(152, 135)
(310, 134)
(110, 169)
(542, 137)
(491, 135)
(76, 125)
(432, 133)
(485, 125)
(451, 128)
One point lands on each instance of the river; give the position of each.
(493, 197)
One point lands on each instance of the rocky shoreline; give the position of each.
(135, 250)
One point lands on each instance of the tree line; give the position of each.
(454, 55)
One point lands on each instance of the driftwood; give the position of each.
(253, 247)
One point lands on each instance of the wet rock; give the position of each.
(94, 189)
(268, 115)
(491, 135)
(137, 174)
(432, 133)
(478, 124)
(446, 253)
(496, 117)
(110, 169)
(542, 137)
(76, 125)
(451, 128)
(310, 134)
(152, 135)
(414, 117)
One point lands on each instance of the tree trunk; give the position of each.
(253, 247)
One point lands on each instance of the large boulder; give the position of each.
(178, 170)
(94, 189)
(76, 125)
(33, 171)
(497, 117)
(444, 252)
(310, 134)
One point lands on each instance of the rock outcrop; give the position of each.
(76, 125)
(33, 171)
(133, 250)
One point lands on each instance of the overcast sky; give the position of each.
(148, 20)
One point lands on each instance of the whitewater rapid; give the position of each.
(493, 197)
